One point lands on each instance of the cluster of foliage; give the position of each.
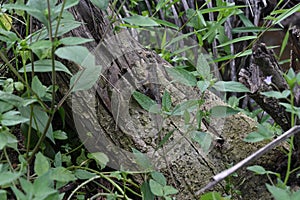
(31, 164)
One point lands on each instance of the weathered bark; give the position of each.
(108, 121)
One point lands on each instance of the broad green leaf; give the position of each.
(102, 4)
(7, 139)
(212, 196)
(83, 174)
(169, 190)
(140, 20)
(100, 158)
(12, 118)
(42, 187)
(57, 160)
(203, 67)
(156, 188)
(40, 119)
(45, 66)
(142, 160)
(60, 135)
(166, 101)
(8, 177)
(276, 94)
(75, 40)
(4, 106)
(223, 111)
(159, 177)
(230, 86)
(188, 105)
(75, 54)
(144, 101)
(204, 139)
(261, 134)
(296, 195)
(86, 78)
(5, 21)
(146, 191)
(203, 85)
(41, 164)
(38, 87)
(27, 186)
(257, 169)
(10, 98)
(182, 76)
(278, 193)
(3, 194)
(62, 174)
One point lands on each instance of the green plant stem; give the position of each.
(288, 170)
(53, 78)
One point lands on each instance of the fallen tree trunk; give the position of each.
(107, 120)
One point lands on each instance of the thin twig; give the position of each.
(221, 176)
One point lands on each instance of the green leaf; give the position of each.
(45, 66)
(239, 39)
(7, 139)
(261, 134)
(203, 67)
(257, 169)
(166, 23)
(144, 101)
(188, 105)
(204, 139)
(142, 160)
(182, 76)
(40, 119)
(286, 14)
(230, 86)
(10, 98)
(203, 85)
(75, 54)
(60, 135)
(41, 164)
(100, 158)
(12, 118)
(8, 177)
(159, 177)
(223, 111)
(102, 4)
(83, 174)
(278, 193)
(4, 106)
(146, 191)
(212, 196)
(3, 194)
(75, 40)
(57, 160)
(169, 190)
(62, 174)
(42, 187)
(165, 139)
(27, 186)
(140, 20)
(5, 21)
(86, 78)
(38, 87)
(276, 94)
(166, 101)
(156, 188)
